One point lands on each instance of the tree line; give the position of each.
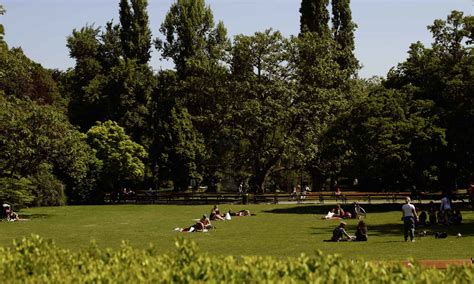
(264, 110)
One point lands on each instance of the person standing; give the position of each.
(409, 217)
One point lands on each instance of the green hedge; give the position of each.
(35, 260)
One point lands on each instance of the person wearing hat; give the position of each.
(409, 217)
(340, 234)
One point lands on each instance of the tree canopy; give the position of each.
(264, 110)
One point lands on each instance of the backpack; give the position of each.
(441, 235)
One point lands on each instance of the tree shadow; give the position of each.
(323, 208)
(33, 216)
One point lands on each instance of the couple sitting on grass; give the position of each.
(339, 234)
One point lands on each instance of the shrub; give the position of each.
(35, 260)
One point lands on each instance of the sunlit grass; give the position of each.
(277, 230)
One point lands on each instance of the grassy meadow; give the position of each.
(276, 230)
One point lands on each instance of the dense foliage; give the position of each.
(263, 110)
(37, 260)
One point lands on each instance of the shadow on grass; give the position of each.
(34, 216)
(323, 209)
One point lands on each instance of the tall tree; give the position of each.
(2, 29)
(314, 16)
(262, 109)
(444, 74)
(190, 34)
(343, 32)
(324, 64)
(197, 46)
(112, 79)
(135, 34)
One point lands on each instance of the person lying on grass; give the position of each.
(216, 214)
(203, 225)
(240, 213)
(337, 213)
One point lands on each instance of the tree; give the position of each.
(343, 33)
(121, 157)
(20, 77)
(324, 65)
(135, 34)
(2, 29)
(190, 35)
(388, 141)
(111, 79)
(444, 75)
(197, 47)
(314, 17)
(40, 150)
(261, 121)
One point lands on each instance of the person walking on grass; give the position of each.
(409, 218)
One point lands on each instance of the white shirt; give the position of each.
(408, 210)
(445, 205)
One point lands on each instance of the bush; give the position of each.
(18, 192)
(35, 260)
(49, 190)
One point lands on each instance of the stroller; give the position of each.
(359, 211)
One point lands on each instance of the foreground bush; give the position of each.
(38, 261)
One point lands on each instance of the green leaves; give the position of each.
(190, 33)
(36, 260)
(444, 75)
(36, 141)
(121, 157)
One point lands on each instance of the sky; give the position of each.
(386, 28)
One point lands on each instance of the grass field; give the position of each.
(276, 230)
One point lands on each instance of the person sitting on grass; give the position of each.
(361, 232)
(203, 225)
(456, 218)
(338, 211)
(339, 234)
(422, 219)
(216, 214)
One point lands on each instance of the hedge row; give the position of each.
(34, 260)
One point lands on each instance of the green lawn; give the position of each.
(277, 230)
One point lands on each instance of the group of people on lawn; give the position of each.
(446, 216)
(204, 224)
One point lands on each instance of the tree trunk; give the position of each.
(317, 178)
